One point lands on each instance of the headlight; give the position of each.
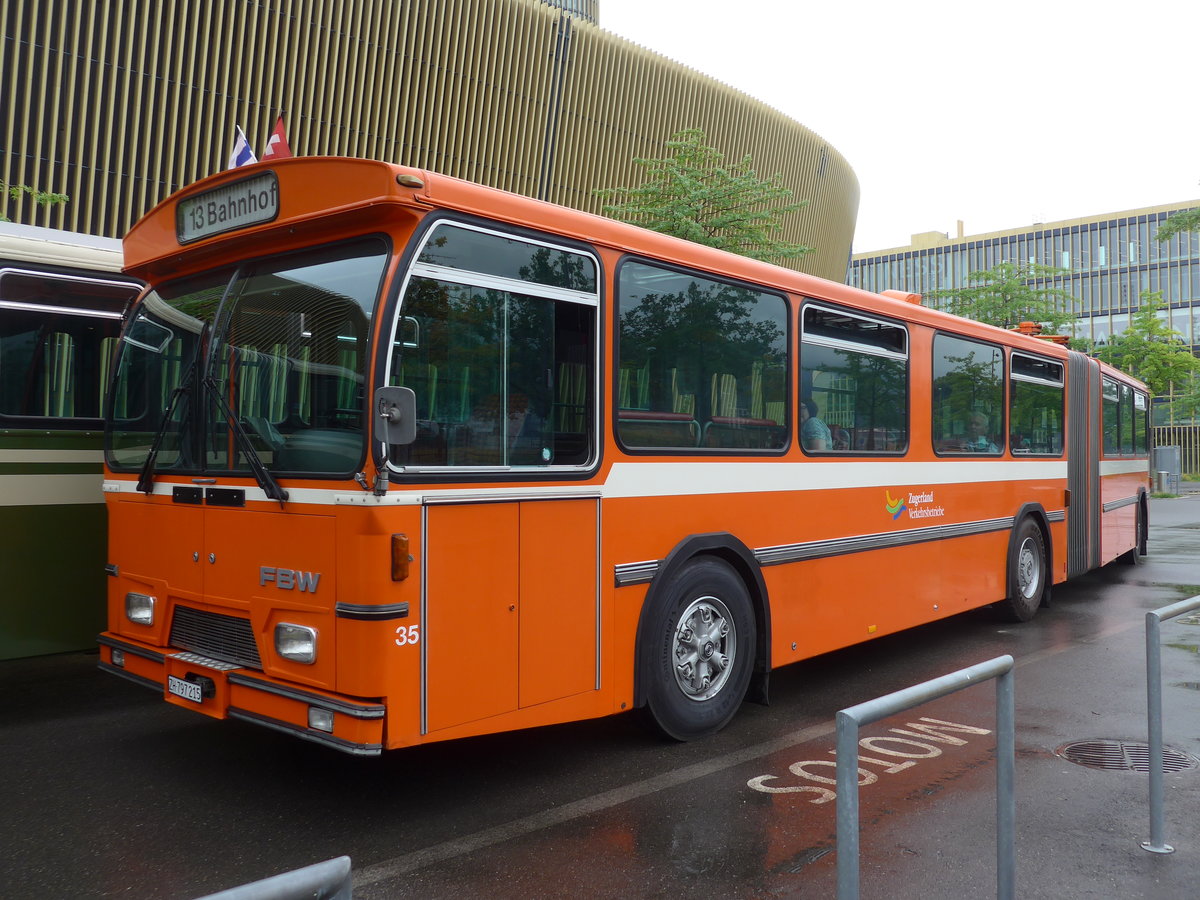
(139, 608)
(296, 642)
(320, 719)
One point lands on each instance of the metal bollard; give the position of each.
(848, 722)
(1154, 729)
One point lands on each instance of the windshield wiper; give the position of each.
(264, 478)
(146, 478)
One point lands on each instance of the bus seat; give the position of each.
(724, 395)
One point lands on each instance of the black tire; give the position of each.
(1027, 573)
(1137, 555)
(703, 652)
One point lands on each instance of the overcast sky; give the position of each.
(1000, 114)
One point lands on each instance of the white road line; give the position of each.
(419, 859)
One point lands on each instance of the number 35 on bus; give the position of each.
(401, 459)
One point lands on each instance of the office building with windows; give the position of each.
(1106, 262)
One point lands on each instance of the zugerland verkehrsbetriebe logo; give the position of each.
(917, 505)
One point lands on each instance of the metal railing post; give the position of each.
(1006, 779)
(848, 722)
(847, 806)
(1154, 718)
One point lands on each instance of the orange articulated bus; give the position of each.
(400, 459)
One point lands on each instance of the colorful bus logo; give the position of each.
(895, 507)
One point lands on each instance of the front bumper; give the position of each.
(223, 690)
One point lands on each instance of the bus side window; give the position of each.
(702, 363)
(1111, 416)
(52, 358)
(1035, 408)
(1140, 426)
(1127, 426)
(968, 396)
(500, 352)
(854, 368)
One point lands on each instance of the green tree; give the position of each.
(41, 198)
(692, 193)
(1187, 220)
(1149, 349)
(1003, 296)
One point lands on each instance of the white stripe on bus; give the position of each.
(669, 479)
(676, 479)
(50, 490)
(37, 455)
(1124, 466)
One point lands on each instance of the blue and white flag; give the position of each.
(242, 154)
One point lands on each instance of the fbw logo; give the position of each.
(895, 507)
(289, 579)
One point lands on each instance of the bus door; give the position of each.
(496, 338)
(510, 602)
(1083, 464)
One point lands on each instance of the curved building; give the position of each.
(118, 104)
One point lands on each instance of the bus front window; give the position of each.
(280, 384)
(496, 336)
(152, 393)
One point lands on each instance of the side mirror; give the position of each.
(395, 415)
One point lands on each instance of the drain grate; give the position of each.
(1123, 756)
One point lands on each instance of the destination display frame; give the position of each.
(248, 201)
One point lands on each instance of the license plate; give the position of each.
(185, 689)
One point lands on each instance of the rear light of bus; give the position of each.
(296, 642)
(139, 608)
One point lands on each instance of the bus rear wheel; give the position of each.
(1137, 555)
(703, 651)
(1027, 573)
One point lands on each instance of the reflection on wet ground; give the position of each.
(108, 791)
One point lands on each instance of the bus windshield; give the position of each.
(249, 369)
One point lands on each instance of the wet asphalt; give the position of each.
(105, 791)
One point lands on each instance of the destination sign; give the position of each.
(228, 208)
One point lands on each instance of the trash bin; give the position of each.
(1168, 460)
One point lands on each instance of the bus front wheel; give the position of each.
(1027, 573)
(703, 653)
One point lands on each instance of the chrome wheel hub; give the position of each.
(1029, 568)
(705, 648)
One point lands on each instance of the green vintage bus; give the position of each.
(62, 299)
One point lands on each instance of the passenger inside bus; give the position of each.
(814, 434)
(976, 439)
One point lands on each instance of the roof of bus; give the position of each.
(50, 246)
(361, 187)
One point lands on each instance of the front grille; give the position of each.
(226, 638)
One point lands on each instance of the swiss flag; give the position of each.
(277, 145)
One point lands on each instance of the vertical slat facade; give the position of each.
(117, 103)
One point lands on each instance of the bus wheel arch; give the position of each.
(1028, 570)
(1137, 555)
(1143, 522)
(679, 590)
